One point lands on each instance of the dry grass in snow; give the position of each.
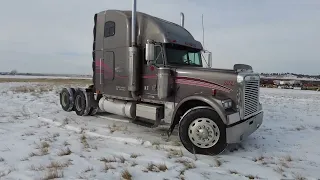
(126, 175)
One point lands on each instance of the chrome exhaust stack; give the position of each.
(133, 23)
(182, 19)
(133, 55)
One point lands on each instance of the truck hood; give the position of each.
(223, 80)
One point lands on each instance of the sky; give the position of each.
(55, 36)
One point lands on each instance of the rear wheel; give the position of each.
(202, 131)
(74, 93)
(67, 99)
(80, 103)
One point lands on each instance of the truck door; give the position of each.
(105, 71)
(149, 75)
(108, 61)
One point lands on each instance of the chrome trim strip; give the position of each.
(253, 114)
(100, 71)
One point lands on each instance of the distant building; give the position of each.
(289, 82)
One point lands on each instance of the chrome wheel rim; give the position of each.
(204, 133)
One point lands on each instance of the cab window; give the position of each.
(192, 58)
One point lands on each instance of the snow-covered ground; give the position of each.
(41, 141)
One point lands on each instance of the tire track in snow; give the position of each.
(113, 119)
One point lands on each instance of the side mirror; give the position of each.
(149, 51)
(206, 58)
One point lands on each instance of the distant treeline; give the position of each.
(43, 74)
(291, 74)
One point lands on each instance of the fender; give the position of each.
(215, 104)
(197, 107)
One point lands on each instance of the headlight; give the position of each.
(239, 79)
(227, 103)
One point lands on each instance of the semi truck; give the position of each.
(149, 69)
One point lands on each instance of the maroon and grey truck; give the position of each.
(146, 68)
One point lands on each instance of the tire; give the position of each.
(215, 143)
(80, 103)
(74, 93)
(67, 99)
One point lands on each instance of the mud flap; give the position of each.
(170, 130)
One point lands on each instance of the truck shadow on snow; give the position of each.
(158, 131)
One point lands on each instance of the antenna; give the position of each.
(202, 32)
(209, 63)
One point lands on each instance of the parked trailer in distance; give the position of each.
(151, 69)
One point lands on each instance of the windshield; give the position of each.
(182, 55)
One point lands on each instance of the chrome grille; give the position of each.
(251, 96)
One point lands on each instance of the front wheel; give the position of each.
(202, 131)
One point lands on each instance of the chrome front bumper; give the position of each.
(238, 131)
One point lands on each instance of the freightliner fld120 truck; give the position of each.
(150, 69)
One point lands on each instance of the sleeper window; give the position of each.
(109, 29)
